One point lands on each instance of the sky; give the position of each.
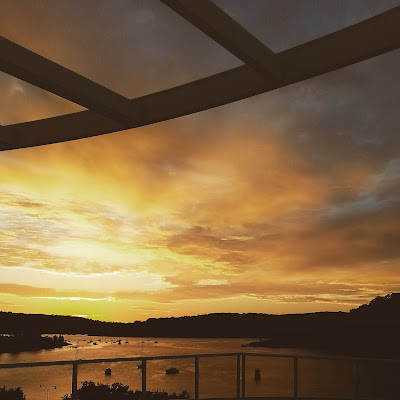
(285, 202)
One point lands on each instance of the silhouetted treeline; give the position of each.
(11, 393)
(25, 341)
(371, 330)
(374, 327)
(211, 325)
(119, 391)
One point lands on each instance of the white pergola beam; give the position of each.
(223, 29)
(367, 39)
(30, 67)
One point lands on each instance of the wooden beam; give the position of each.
(367, 39)
(24, 64)
(223, 29)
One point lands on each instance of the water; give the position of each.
(217, 375)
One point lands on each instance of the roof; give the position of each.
(263, 71)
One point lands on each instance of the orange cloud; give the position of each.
(281, 203)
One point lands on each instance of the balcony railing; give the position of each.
(240, 370)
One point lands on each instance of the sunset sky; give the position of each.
(284, 202)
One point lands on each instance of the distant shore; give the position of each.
(339, 347)
(370, 330)
(19, 343)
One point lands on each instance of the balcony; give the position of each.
(283, 376)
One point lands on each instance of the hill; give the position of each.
(369, 330)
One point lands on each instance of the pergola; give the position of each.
(263, 71)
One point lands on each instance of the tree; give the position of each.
(118, 391)
(11, 393)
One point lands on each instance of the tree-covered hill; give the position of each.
(371, 329)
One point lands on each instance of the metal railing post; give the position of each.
(295, 376)
(243, 376)
(74, 390)
(144, 371)
(238, 376)
(196, 377)
(356, 379)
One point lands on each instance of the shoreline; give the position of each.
(23, 343)
(340, 348)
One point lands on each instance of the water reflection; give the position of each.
(320, 378)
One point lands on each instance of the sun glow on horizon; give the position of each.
(75, 298)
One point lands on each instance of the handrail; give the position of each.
(119, 359)
(183, 356)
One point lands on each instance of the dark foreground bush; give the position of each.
(118, 391)
(11, 393)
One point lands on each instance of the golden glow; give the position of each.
(75, 298)
(281, 203)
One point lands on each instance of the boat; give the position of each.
(172, 371)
